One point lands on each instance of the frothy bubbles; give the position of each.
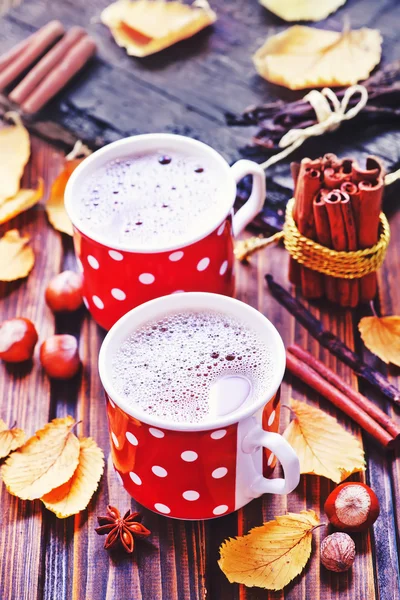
(169, 367)
(152, 200)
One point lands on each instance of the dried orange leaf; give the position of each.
(10, 439)
(55, 208)
(306, 10)
(144, 27)
(23, 200)
(47, 460)
(381, 335)
(302, 57)
(16, 257)
(74, 495)
(323, 446)
(272, 555)
(15, 150)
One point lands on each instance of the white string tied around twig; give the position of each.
(329, 117)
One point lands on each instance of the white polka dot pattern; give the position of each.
(179, 292)
(132, 439)
(189, 456)
(98, 302)
(220, 510)
(115, 255)
(203, 264)
(146, 278)
(118, 294)
(223, 268)
(217, 435)
(271, 418)
(191, 495)
(175, 256)
(135, 478)
(156, 432)
(93, 262)
(219, 473)
(162, 508)
(221, 229)
(159, 471)
(114, 439)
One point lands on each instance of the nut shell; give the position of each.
(352, 506)
(60, 357)
(18, 338)
(338, 552)
(64, 292)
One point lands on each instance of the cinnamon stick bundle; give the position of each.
(337, 204)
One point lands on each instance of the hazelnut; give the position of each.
(338, 552)
(64, 292)
(18, 339)
(352, 507)
(60, 357)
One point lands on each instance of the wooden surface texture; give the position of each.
(43, 558)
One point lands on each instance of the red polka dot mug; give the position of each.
(197, 470)
(117, 278)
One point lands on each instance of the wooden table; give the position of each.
(44, 558)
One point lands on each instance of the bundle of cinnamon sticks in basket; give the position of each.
(337, 204)
(40, 66)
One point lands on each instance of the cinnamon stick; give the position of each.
(307, 374)
(15, 51)
(351, 234)
(351, 189)
(333, 178)
(323, 234)
(369, 407)
(46, 64)
(44, 38)
(72, 63)
(373, 170)
(371, 193)
(331, 341)
(339, 293)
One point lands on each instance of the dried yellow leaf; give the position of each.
(303, 57)
(74, 495)
(23, 200)
(306, 10)
(144, 27)
(16, 257)
(55, 208)
(10, 439)
(15, 150)
(323, 446)
(47, 460)
(381, 335)
(272, 555)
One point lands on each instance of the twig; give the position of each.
(331, 341)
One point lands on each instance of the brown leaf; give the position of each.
(381, 335)
(16, 257)
(23, 200)
(15, 150)
(74, 495)
(305, 57)
(306, 10)
(323, 446)
(10, 439)
(272, 555)
(45, 461)
(55, 208)
(144, 27)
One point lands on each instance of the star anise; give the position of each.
(121, 530)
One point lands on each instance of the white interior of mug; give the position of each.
(152, 142)
(159, 307)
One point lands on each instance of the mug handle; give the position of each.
(257, 197)
(257, 437)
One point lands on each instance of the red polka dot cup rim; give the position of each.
(141, 144)
(191, 301)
